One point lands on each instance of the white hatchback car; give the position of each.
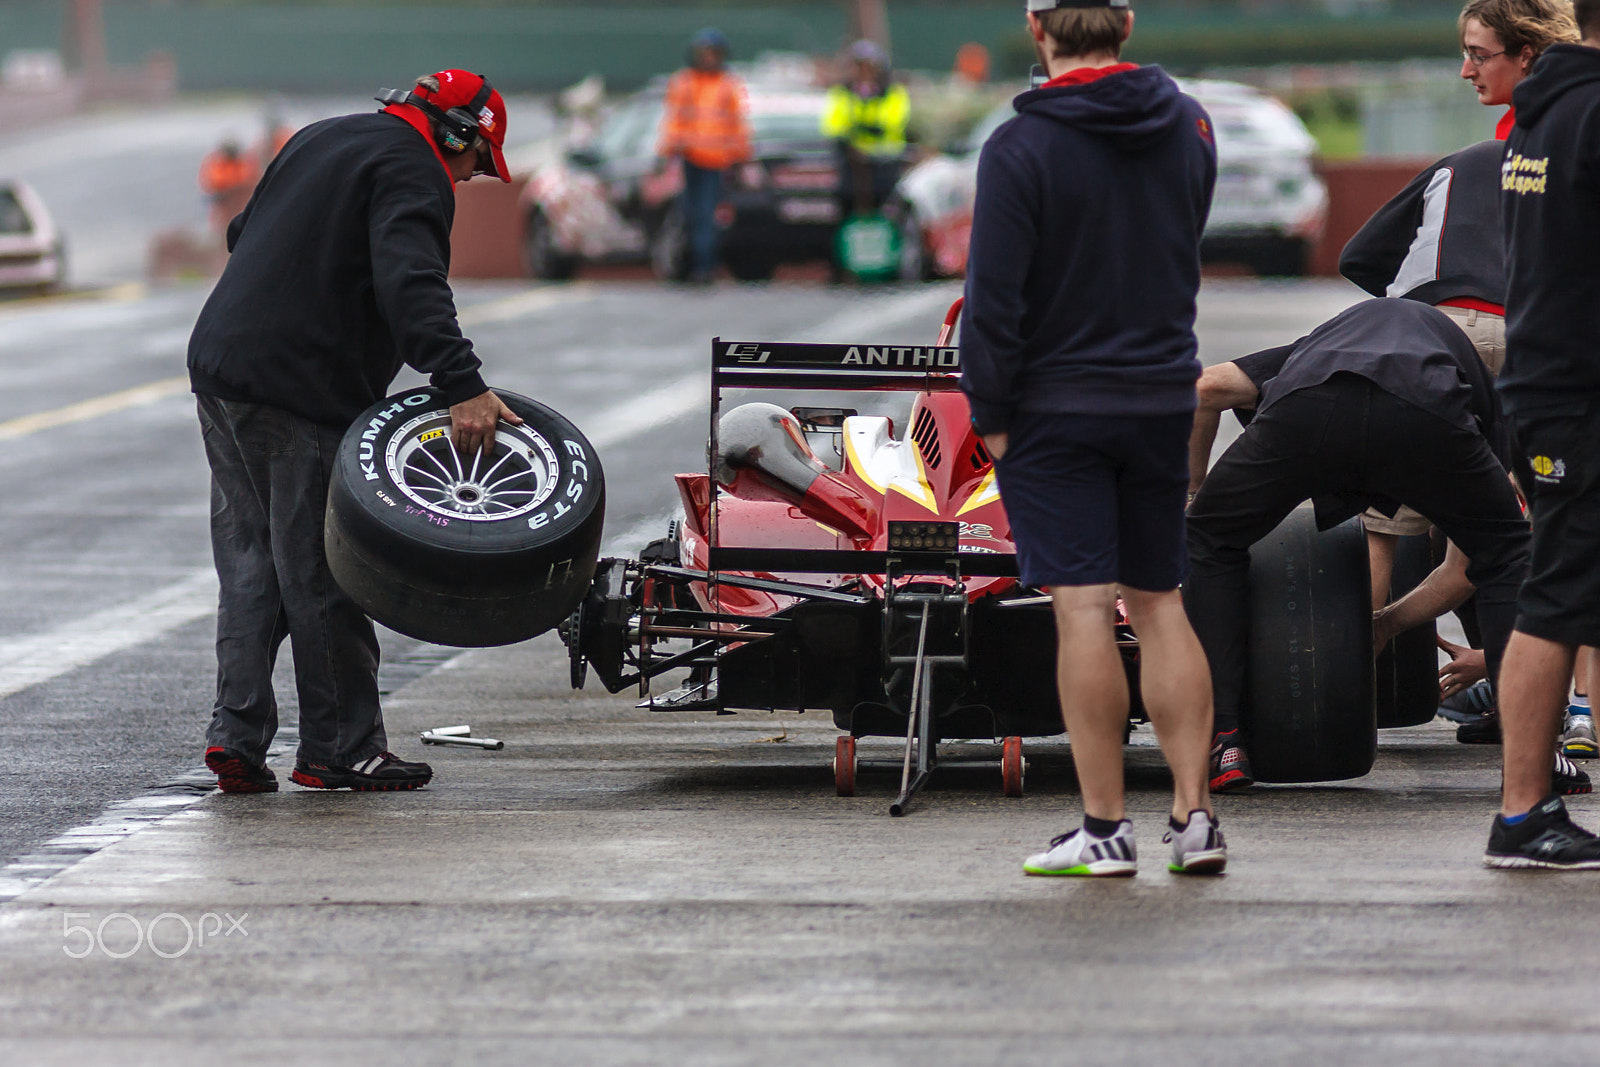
(32, 250)
(1269, 207)
(1268, 210)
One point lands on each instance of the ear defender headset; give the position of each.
(455, 130)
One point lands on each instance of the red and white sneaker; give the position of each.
(379, 773)
(1230, 765)
(236, 774)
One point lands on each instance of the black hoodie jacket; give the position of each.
(338, 276)
(1439, 238)
(1085, 253)
(1550, 207)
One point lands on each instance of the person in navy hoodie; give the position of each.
(1079, 359)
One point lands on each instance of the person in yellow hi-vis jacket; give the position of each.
(867, 115)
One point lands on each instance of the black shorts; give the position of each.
(1098, 499)
(1558, 464)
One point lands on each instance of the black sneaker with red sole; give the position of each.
(1230, 764)
(236, 774)
(381, 773)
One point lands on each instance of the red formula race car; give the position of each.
(883, 586)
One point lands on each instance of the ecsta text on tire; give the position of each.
(460, 550)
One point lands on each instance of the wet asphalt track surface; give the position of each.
(102, 511)
(625, 887)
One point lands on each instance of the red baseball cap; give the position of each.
(458, 88)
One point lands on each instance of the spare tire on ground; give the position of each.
(468, 551)
(1311, 714)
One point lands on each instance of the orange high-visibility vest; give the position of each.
(219, 174)
(705, 120)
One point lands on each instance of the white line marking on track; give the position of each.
(873, 314)
(655, 408)
(31, 659)
(125, 293)
(511, 308)
(83, 410)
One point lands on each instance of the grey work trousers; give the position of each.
(269, 488)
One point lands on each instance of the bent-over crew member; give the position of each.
(338, 277)
(1387, 403)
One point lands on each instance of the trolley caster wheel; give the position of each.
(1012, 766)
(844, 766)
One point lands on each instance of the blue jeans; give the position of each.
(702, 189)
(269, 489)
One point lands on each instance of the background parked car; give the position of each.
(1269, 207)
(32, 251)
(611, 201)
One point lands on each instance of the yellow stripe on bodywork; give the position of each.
(926, 498)
(855, 463)
(987, 492)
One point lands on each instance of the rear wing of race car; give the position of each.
(792, 365)
(788, 365)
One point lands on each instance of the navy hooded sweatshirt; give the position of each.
(1550, 207)
(1085, 254)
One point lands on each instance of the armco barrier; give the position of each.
(1355, 190)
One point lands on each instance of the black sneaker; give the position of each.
(237, 774)
(382, 772)
(1566, 779)
(1546, 839)
(1230, 764)
(1484, 731)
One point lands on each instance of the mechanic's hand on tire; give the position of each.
(1466, 666)
(472, 422)
(1383, 630)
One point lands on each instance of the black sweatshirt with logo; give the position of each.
(1550, 207)
(1439, 237)
(1085, 253)
(338, 277)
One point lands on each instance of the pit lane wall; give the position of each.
(1356, 189)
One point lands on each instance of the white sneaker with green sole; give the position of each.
(1083, 855)
(1198, 848)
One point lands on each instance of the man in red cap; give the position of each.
(338, 278)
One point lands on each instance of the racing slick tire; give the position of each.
(750, 266)
(1408, 669)
(457, 551)
(1310, 713)
(1281, 257)
(540, 256)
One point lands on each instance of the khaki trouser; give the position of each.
(1487, 332)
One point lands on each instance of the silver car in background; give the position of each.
(32, 251)
(1268, 211)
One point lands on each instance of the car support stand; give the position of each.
(935, 612)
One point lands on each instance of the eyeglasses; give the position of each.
(485, 159)
(1478, 59)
